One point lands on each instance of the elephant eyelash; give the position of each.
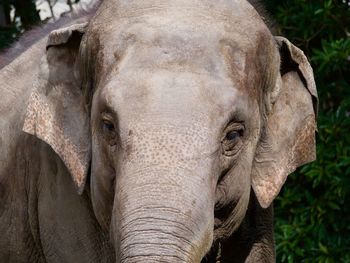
(237, 116)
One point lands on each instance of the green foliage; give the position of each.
(312, 212)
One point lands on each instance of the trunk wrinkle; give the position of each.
(155, 258)
(137, 222)
(150, 231)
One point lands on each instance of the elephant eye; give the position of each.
(231, 142)
(234, 135)
(108, 126)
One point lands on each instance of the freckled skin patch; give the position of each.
(152, 145)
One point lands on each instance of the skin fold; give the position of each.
(155, 131)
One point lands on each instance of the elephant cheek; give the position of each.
(102, 189)
(232, 199)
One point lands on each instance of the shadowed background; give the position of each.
(312, 215)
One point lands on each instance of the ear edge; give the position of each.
(63, 35)
(265, 190)
(299, 63)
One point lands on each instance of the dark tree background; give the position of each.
(24, 16)
(312, 212)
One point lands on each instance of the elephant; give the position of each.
(152, 131)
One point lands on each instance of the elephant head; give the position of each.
(176, 110)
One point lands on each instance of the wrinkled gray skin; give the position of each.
(177, 122)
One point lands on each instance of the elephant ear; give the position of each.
(288, 139)
(56, 111)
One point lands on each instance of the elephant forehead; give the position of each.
(180, 47)
(184, 34)
(178, 11)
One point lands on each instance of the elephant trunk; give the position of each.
(162, 216)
